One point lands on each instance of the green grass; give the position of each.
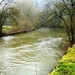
(66, 66)
(6, 28)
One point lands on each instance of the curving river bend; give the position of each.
(33, 53)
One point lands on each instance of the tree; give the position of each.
(7, 12)
(66, 11)
(47, 13)
(28, 9)
(27, 15)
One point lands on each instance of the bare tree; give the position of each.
(66, 11)
(7, 12)
(28, 13)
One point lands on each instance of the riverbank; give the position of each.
(14, 33)
(8, 30)
(66, 66)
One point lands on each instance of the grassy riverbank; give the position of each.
(66, 66)
(12, 30)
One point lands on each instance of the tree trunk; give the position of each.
(72, 32)
(0, 31)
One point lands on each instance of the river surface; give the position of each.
(33, 53)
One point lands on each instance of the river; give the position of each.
(33, 53)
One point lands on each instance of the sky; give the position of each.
(39, 2)
(42, 2)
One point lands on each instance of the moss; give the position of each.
(66, 66)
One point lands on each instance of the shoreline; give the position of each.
(15, 33)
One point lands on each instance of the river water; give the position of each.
(33, 53)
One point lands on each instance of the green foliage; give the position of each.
(66, 66)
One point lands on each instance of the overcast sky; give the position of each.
(42, 2)
(38, 3)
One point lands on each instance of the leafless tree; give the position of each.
(7, 12)
(65, 9)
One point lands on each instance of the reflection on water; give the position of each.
(33, 53)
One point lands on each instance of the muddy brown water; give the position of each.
(33, 53)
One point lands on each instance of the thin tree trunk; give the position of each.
(72, 33)
(0, 31)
